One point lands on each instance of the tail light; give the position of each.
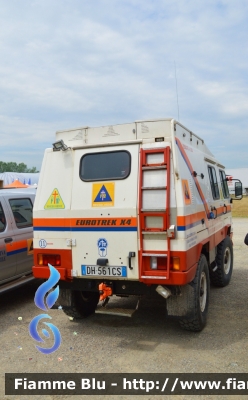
(158, 262)
(176, 263)
(45, 259)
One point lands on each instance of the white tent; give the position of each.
(26, 178)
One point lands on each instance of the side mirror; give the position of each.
(238, 189)
(246, 240)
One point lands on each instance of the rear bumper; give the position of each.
(177, 278)
(44, 273)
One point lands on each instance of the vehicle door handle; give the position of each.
(130, 255)
(8, 240)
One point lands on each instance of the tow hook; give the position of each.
(105, 291)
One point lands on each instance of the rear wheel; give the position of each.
(83, 304)
(221, 275)
(198, 303)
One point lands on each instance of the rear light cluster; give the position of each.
(45, 259)
(157, 262)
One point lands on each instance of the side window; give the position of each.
(224, 184)
(22, 211)
(213, 183)
(2, 219)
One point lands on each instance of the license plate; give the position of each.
(96, 270)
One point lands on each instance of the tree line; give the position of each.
(14, 167)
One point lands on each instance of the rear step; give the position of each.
(111, 309)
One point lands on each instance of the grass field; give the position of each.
(240, 208)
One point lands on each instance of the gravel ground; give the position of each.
(145, 343)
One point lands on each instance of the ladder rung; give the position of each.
(154, 232)
(154, 167)
(155, 255)
(153, 229)
(155, 210)
(154, 277)
(154, 187)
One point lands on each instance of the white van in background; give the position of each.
(16, 237)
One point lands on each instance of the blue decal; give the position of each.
(103, 195)
(102, 247)
(39, 300)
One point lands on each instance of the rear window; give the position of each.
(105, 166)
(22, 211)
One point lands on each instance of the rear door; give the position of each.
(104, 212)
(7, 257)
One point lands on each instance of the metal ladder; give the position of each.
(156, 204)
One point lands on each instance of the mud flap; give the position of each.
(182, 304)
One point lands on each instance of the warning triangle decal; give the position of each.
(102, 195)
(54, 201)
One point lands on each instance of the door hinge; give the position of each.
(70, 242)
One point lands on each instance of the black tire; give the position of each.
(221, 276)
(199, 300)
(83, 304)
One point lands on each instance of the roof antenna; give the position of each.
(177, 91)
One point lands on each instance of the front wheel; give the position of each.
(198, 302)
(83, 304)
(222, 273)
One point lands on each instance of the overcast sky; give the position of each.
(72, 63)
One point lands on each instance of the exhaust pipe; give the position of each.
(163, 291)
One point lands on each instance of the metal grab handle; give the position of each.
(130, 255)
(8, 240)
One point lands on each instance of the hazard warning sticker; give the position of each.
(54, 201)
(103, 194)
(186, 191)
(30, 246)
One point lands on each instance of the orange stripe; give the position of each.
(52, 222)
(16, 245)
(73, 222)
(192, 218)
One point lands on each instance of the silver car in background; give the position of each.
(16, 237)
